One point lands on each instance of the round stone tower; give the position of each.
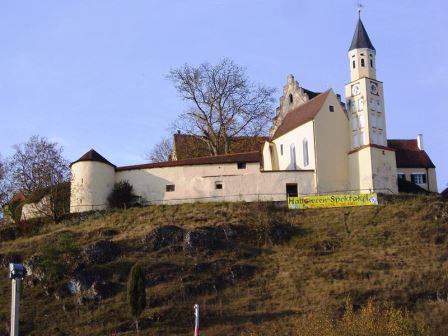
(93, 178)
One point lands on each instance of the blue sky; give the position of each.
(92, 73)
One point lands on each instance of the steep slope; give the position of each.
(253, 268)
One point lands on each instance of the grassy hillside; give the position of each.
(269, 270)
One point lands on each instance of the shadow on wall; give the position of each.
(148, 186)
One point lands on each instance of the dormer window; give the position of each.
(291, 99)
(363, 64)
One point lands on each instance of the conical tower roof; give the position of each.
(93, 155)
(361, 38)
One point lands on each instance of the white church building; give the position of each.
(317, 145)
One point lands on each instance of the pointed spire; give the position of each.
(361, 38)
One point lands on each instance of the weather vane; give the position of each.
(360, 8)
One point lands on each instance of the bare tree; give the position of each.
(38, 169)
(4, 194)
(223, 103)
(161, 151)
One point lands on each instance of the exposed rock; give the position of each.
(34, 270)
(102, 251)
(202, 239)
(84, 279)
(163, 236)
(99, 290)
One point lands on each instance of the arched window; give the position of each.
(363, 64)
(292, 150)
(306, 158)
(291, 99)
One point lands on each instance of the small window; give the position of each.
(291, 98)
(218, 185)
(354, 64)
(82, 181)
(371, 63)
(170, 187)
(363, 64)
(331, 108)
(401, 176)
(418, 178)
(281, 149)
(362, 54)
(292, 190)
(241, 165)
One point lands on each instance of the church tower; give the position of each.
(372, 163)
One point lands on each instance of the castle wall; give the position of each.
(199, 183)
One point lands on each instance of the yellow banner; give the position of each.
(332, 201)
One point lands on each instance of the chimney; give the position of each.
(420, 141)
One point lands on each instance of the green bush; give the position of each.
(122, 195)
(136, 292)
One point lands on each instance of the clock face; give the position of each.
(374, 88)
(356, 90)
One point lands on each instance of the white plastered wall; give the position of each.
(294, 139)
(332, 145)
(198, 183)
(91, 184)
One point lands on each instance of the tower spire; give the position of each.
(360, 8)
(361, 38)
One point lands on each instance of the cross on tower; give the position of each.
(360, 8)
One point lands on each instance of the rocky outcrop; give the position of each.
(202, 239)
(34, 270)
(164, 236)
(101, 252)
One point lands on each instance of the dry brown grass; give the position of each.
(395, 253)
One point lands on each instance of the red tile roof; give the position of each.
(408, 154)
(191, 146)
(93, 155)
(301, 115)
(220, 159)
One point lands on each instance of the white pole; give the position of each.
(196, 320)
(15, 303)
